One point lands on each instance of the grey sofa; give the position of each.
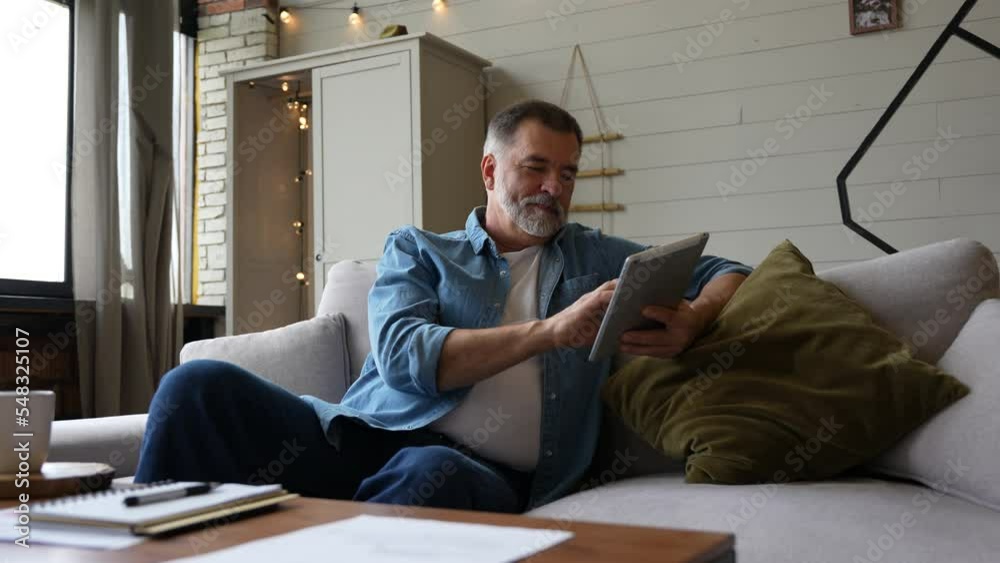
(848, 519)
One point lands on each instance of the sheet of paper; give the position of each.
(378, 539)
(50, 533)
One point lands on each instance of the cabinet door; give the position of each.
(363, 140)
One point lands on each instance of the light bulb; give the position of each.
(302, 120)
(284, 86)
(300, 276)
(355, 16)
(297, 224)
(309, 172)
(285, 15)
(305, 107)
(438, 5)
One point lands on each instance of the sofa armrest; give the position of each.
(307, 358)
(114, 440)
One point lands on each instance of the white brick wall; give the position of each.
(224, 41)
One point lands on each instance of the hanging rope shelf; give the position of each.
(603, 136)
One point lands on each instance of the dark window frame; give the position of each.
(33, 288)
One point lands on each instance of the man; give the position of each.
(477, 393)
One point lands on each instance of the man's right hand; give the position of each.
(576, 326)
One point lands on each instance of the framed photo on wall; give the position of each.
(873, 15)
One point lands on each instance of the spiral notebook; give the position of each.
(107, 508)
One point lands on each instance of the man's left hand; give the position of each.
(682, 325)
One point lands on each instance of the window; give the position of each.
(36, 57)
(185, 258)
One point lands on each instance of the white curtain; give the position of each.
(123, 197)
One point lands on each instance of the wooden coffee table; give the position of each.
(590, 543)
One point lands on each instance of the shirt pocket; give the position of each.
(572, 289)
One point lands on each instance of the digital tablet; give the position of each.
(656, 276)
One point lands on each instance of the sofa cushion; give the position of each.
(346, 292)
(824, 522)
(793, 381)
(961, 446)
(923, 295)
(114, 440)
(307, 358)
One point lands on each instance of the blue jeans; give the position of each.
(214, 421)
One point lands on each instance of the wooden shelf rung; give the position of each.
(600, 172)
(606, 137)
(596, 207)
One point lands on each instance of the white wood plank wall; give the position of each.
(691, 114)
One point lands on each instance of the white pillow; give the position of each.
(958, 451)
(307, 358)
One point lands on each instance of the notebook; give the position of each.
(107, 508)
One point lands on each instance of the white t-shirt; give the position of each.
(500, 418)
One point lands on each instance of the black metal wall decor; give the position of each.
(954, 28)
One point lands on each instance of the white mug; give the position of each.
(24, 448)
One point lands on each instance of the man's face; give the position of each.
(534, 177)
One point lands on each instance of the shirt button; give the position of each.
(548, 453)
(552, 396)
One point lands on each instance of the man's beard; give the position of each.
(536, 222)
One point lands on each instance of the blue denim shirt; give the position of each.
(429, 284)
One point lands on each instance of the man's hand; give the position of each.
(681, 326)
(684, 323)
(576, 326)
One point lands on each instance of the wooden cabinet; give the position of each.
(396, 130)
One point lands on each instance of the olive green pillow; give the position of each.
(793, 381)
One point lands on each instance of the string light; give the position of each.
(355, 17)
(284, 15)
(438, 5)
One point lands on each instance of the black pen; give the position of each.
(199, 489)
